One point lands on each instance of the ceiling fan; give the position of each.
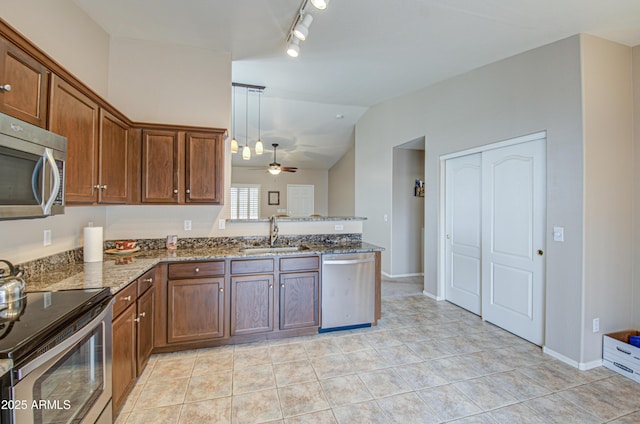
(275, 168)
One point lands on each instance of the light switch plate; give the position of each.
(221, 224)
(47, 238)
(187, 225)
(558, 233)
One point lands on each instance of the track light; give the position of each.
(320, 4)
(301, 30)
(293, 49)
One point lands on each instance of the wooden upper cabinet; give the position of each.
(23, 85)
(160, 166)
(182, 167)
(204, 170)
(113, 159)
(75, 116)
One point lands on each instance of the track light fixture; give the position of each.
(299, 30)
(320, 4)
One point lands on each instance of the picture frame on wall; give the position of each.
(418, 190)
(273, 197)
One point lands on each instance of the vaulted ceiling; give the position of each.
(358, 53)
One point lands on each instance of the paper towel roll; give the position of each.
(93, 244)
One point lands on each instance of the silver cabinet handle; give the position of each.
(137, 320)
(100, 187)
(126, 299)
(188, 191)
(221, 290)
(5, 87)
(282, 285)
(175, 191)
(197, 270)
(147, 280)
(142, 314)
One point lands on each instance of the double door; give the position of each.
(494, 228)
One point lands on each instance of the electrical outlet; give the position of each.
(596, 325)
(187, 225)
(47, 238)
(338, 227)
(221, 224)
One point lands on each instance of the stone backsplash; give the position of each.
(53, 262)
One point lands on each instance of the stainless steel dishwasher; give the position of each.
(348, 291)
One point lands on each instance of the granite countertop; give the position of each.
(116, 272)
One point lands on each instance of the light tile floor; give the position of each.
(426, 362)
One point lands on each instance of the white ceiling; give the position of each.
(358, 53)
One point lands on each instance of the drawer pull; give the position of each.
(126, 298)
(142, 314)
(622, 350)
(147, 280)
(137, 320)
(197, 270)
(282, 285)
(5, 87)
(220, 289)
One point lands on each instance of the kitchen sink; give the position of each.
(273, 249)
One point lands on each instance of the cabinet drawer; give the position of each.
(195, 269)
(124, 298)
(146, 281)
(251, 266)
(299, 263)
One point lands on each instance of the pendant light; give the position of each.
(259, 146)
(246, 151)
(234, 142)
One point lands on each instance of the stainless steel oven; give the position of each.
(32, 170)
(64, 377)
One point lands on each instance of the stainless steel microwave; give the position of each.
(32, 165)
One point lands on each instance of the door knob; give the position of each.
(540, 252)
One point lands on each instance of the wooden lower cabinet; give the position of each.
(251, 304)
(123, 360)
(146, 310)
(195, 309)
(299, 300)
(133, 332)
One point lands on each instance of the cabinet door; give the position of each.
(123, 356)
(195, 309)
(204, 168)
(28, 79)
(75, 116)
(251, 304)
(299, 306)
(113, 172)
(145, 327)
(160, 166)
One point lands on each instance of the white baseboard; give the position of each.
(418, 274)
(432, 296)
(582, 366)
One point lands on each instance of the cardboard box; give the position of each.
(618, 355)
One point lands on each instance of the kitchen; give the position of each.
(91, 58)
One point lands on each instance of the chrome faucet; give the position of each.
(273, 230)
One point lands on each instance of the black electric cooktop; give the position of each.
(44, 316)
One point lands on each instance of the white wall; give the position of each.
(608, 189)
(67, 34)
(170, 84)
(407, 213)
(534, 91)
(318, 178)
(342, 195)
(636, 185)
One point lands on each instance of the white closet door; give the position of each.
(513, 222)
(463, 226)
